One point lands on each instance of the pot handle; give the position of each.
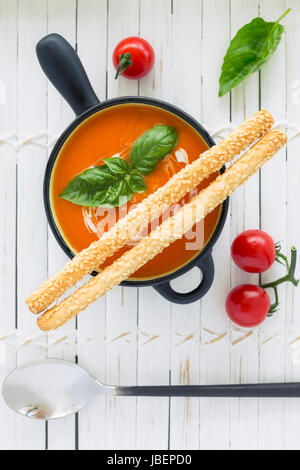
(206, 266)
(64, 69)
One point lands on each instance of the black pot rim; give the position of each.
(114, 102)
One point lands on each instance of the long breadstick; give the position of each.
(149, 209)
(170, 230)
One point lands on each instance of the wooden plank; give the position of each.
(215, 349)
(31, 221)
(273, 205)
(185, 319)
(8, 28)
(92, 17)
(121, 303)
(154, 311)
(292, 304)
(244, 211)
(123, 21)
(62, 20)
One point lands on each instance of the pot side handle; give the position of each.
(64, 69)
(206, 266)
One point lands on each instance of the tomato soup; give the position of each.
(112, 132)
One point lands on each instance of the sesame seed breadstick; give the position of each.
(149, 209)
(169, 231)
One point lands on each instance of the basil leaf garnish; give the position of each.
(251, 47)
(151, 147)
(113, 184)
(136, 182)
(88, 188)
(117, 165)
(117, 194)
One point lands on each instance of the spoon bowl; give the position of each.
(49, 389)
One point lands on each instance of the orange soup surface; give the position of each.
(112, 132)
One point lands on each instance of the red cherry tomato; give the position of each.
(253, 251)
(247, 305)
(133, 57)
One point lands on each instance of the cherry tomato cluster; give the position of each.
(254, 251)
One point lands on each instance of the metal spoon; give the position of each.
(53, 388)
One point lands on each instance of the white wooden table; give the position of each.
(134, 336)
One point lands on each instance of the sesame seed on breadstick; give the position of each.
(169, 231)
(149, 209)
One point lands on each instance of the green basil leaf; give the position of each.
(87, 188)
(136, 182)
(117, 195)
(251, 47)
(117, 165)
(151, 147)
(98, 186)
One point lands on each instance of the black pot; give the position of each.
(62, 66)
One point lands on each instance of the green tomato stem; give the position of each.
(273, 307)
(124, 62)
(289, 277)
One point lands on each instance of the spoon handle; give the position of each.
(291, 389)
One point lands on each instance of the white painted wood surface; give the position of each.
(133, 335)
